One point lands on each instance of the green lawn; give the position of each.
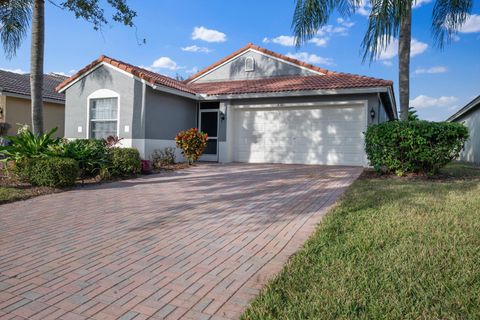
(393, 248)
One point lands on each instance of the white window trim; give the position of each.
(247, 59)
(102, 94)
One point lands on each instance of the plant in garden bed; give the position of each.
(164, 157)
(91, 155)
(54, 172)
(403, 147)
(124, 162)
(192, 142)
(27, 145)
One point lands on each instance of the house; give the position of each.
(256, 106)
(470, 116)
(15, 103)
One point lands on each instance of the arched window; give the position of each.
(103, 112)
(249, 64)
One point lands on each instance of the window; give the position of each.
(103, 117)
(249, 64)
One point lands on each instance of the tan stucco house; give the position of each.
(15, 102)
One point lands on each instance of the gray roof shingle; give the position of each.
(17, 83)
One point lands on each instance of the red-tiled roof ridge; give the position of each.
(149, 76)
(263, 50)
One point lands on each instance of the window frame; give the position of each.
(102, 94)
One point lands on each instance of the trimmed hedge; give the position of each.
(402, 147)
(52, 172)
(124, 162)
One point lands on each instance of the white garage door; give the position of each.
(306, 135)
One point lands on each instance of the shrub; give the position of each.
(49, 172)
(163, 157)
(414, 146)
(124, 161)
(26, 145)
(91, 155)
(192, 143)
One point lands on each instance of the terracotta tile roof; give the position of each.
(263, 50)
(327, 80)
(151, 77)
(290, 83)
(17, 83)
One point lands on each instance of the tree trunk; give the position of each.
(36, 65)
(404, 44)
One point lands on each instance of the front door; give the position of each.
(209, 125)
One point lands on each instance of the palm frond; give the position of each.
(310, 15)
(15, 18)
(383, 26)
(447, 18)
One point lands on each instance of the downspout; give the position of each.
(142, 118)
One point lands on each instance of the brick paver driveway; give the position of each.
(197, 243)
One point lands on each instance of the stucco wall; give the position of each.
(104, 78)
(167, 114)
(471, 151)
(265, 66)
(18, 110)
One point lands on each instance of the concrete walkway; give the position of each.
(195, 244)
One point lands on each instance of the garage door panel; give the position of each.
(323, 135)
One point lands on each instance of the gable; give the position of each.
(264, 66)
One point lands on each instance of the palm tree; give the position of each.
(387, 20)
(15, 16)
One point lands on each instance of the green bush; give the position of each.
(414, 146)
(91, 155)
(124, 162)
(49, 172)
(26, 145)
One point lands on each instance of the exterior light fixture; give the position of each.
(372, 114)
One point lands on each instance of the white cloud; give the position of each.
(319, 42)
(209, 35)
(287, 41)
(195, 48)
(364, 7)
(192, 70)
(345, 23)
(18, 70)
(419, 3)
(391, 51)
(165, 63)
(310, 58)
(436, 69)
(423, 101)
(471, 25)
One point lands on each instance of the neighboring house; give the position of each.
(15, 103)
(256, 106)
(470, 116)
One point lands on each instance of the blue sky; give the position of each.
(184, 36)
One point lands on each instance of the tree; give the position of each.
(387, 20)
(15, 16)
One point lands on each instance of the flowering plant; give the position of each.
(192, 142)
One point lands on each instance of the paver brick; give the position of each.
(194, 244)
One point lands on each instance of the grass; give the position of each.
(393, 248)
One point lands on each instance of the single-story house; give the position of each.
(15, 103)
(256, 106)
(470, 116)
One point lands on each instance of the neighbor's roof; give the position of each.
(16, 83)
(472, 105)
(151, 77)
(325, 80)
